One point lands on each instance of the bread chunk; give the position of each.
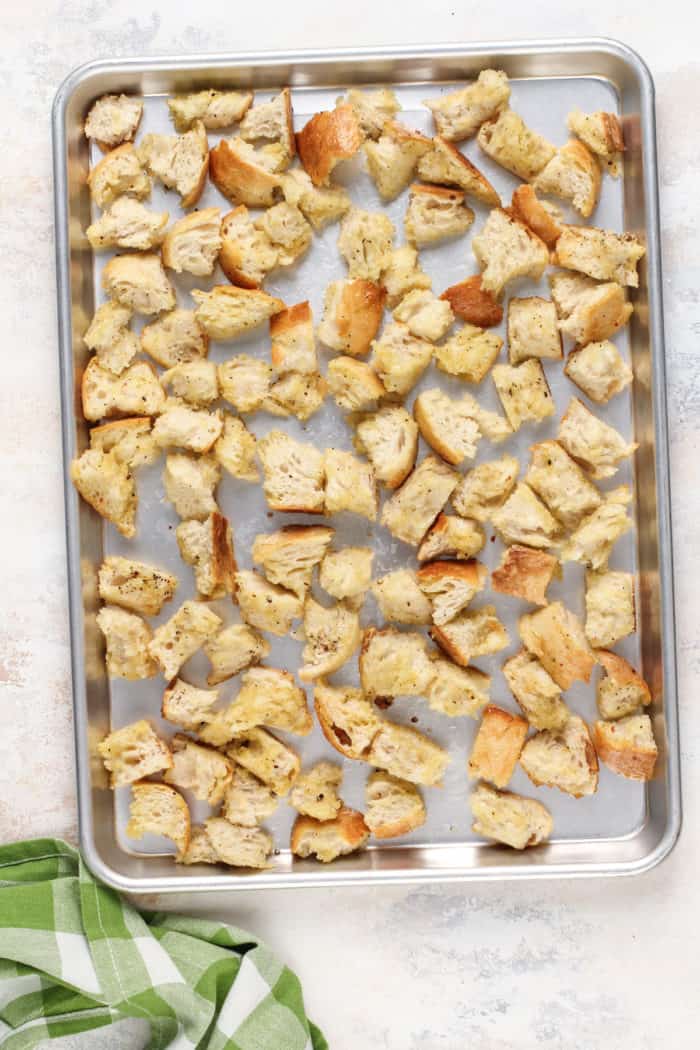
(425, 316)
(194, 382)
(296, 394)
(245, 175)
(469, 354)
(189, 484)
(400, 358)
(542, 217)
(485, 488)
(113, 119)
(180, 426)
(621, 690)
(602, 254)
(131, 440)
(446, 165)
(533, 329)
(352, 314)
(237, 846)
(561, 484)
(523, 518)
(245, 382)
(247, 254)
(400, 599)
(572, 174)
(594, 444)
(158, 809)
(494, 427)
(350, 484)
(589, 311)
(556, 637)
(233, 649)
(264, 605)
(287, 230)
(610, 608)
(247, 801)
(326, 840)
(389, 438)
(414, 507)
(235, 449)
(175, 338)
(366, 243)
(139, 282)
(193, 243)
(525, 573)
(403, 275)
(435, 213)
(565, 759)
(473, 304)
(346, 574)
(321, 205)
(450, 586)
(271, 121)
(199, 848)
(109, 336)
(226, 312)
(215, 109)
(627, 746)
(208, 547)
(332, 636)
(470, 634)
(187, 706)
(408, 754)
(180, 162)
(459, 114)
(104, 481)
(293, 342)
(135, 586)
(201, 770)
(538, 695)
(514, 146)
(497, 746)
(179, 638)
(326, 139)
(524, 392)
(133, 752)
(127, 224)
(372, 108)
(135, 392)
(599, 370)
(458, 691)
(394, 663)
(347, 718)
(294, 474)
(289, 555)
(267, 697)
(451, 537)
(262, 754)
(505, 250)
(511, 819)
(127, 637)
(394, 806)
(392, 158)
(354, 385)
(315, 793)
(119, 172)
(602, 133)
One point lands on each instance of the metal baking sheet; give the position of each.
(625, 826)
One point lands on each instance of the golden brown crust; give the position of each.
(636, 761)
(229, 256)
(288, 319)
(240, 180)
(525, 573)
(447, 164)
(527, 209)
(468, 571)
(224, 567)
(497, 746)
(343, 834)
(620, 670)
(327, 138)
(358, 315)
(147, 796)
(472, 303)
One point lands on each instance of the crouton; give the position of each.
(245, 383)
(511, 819)
(127, 224)
(246, 254)
(350, 484)
(589, 311)
(332, 636)
(237, 846)
(235, 449)
(321, 205)
(594, 444)
(394, 806)
(328, 839)
(201, 770)
(112, 120)
(400, 599)
(497, 746)
(505, 250)
(126, 638)
(450, 586)
(294, 474)
(621, 690)
(514, 146)
(139, 282)
(119, 173)
(392, 158)
(414, 507)
(208, 547)
(271, 121)
(247, 801)
(215, 109)
(315, 793)
(133, 752)
(400, 358)
(564, 759)
(459, 114)
(485, 488)
(572, 174)
(389, 439)
(602, 254)
(267, 697)
(469, 353)
(599, 370)
(293, 343)
(296, 394)
(233, 649)
(179, 638)
(523, 518)
(189, 484)
(194, 382)
(458, 691)
(446, 165)
(543, 218)
(610, 607)
(473, 304)
(354, 385)
(262, 754)
(470, 634)
(372, 108)
(192, 244)
(109, 336)
(199, 848)
(556, 637)
(524, 392)
(533, 330)
(181, 426)
(180, 162)
(287, 230)
(394, 663)
(602, 133)
(175, 338)
(408, 754)
(105, 482)
(135, 586)
(525, 573)
(225, 312)
(289, 555)
(403, 275)
(493, 425)
(346, 574)
(347, 718)
(451, 537)
(326, 139)
(245, 175)
(426, 316)
(135, 392)
(537, 694)
(627, 746)
(131, 440)
(187, 706)
(264, 605)
(435, 213)
(158, 809)
(352, 314)
(561, 484)
(366, 243)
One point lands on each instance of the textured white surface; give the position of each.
(580, 966)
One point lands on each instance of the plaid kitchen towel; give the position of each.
(74, 956)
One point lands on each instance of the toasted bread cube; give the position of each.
(610, 607)
(506, 249)
(525, 573)
(332, 636)
(326, 139)
(320, 205)
(267, 697)
(139, 282)
(113, 119)
(199, 848)
(262, 754)
(589, 311)
(246, 175)
(602, 254)
(573, 174)
(179, 638)
(400, 358)
(450, 586)
(627, 746)
(201, 770)
(602, 133)
(425, 316)
(247, 801)
(289, 555)
(392, 159)
(354, 385)
(594, 444)
(514, 146)
(473, 304)
(511, 819)
(127, 637)
(237, 846)
(459, 114)
(394, 806)
(131, 440)
(599, 370)
(446, 165)
(470, 634)
(414, 507)
(400, 599)
(179, 426)
(372, 109)
(366, 243)
(352, 314)
(296, 394)
(533, 330)
(542, 217)
(451, 537)
(408, 755)
(246, 255)
(394, 663)
(245, 382)
(458, 691)
(389, 438)
(350, 484)
(315, 793)
(271, 121)
(235, 449)
(537, 694)
(175, 338)
(215, 109)
(192, 244)
(328, 839)
(264, 605)
(565, 759)
(469, 354)
(127, 224)
(231, 650)
(293, 343)
(346, 574)
(485, 488)
(187, 706)
(226, 312)
(104, 481)
(524, 392)
(180, 162)
(561, 484)
(118, 173)
(109, 336)
(193, 381)
(294, 474)
(347, 718)
(135, 392)
(189, 484)
(523, 518)
(159, 809)
(135, 586)
(621, 690)
(497, 746)
(435, 213)
(287, 230)
(134, 752)
(556, 637)
(403, 275)
(493, 425)
(208, 547)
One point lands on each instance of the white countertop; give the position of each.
(577, 965)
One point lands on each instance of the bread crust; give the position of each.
(241, 180)
(525, 573)
(353, 312)
(497, 746)
(326, 139)
(472, 303)
(528, 209)
(445, 164)
(631, 759)
(328, 839)
(347, 718)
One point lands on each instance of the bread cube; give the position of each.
(497, 746)
(538, 695)
(556, 637)
(565, 759)
(610, 608)
(599, 370)
(525, 573)
(485, 488)
(414, 507)
(470, 634)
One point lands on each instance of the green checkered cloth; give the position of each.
(74, 956)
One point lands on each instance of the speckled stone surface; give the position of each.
(578, 965)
